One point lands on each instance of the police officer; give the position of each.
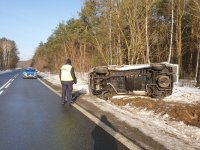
(67, 78)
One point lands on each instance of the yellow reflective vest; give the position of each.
(66, 73)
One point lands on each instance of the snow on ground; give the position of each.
(184, 95)
(173, 135)
(82, 80)
(4, 71)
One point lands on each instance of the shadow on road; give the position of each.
(102, 140)
(78, 93)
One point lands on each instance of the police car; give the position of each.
(29, 73)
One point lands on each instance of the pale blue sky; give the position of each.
(28, 22)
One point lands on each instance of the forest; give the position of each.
(8, 54)
(119, 32)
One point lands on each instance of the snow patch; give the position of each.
(184, 95)
(4, 71)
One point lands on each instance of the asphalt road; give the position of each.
(32, 118)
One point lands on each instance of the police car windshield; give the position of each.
(30, 70)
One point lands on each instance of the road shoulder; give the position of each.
(129, 136)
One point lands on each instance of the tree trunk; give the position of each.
(197, 65)
(84, 56)
(99, 48)
(65, 49)
(147, 38)
(171, 39)
(110, 38)
(179, 33)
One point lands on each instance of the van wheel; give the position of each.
(164, 81)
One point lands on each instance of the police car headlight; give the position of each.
(25, 74)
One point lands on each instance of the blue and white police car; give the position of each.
(29, 73)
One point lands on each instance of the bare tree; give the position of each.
(8, 54)
(147, 38)
(197, 64)
(172, 25)
(180, 14)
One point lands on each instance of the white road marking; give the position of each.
(16, 75)
(125, 141)
(7, 85)
(9, 82)
(1, 92)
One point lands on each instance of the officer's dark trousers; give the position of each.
(67, 92)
